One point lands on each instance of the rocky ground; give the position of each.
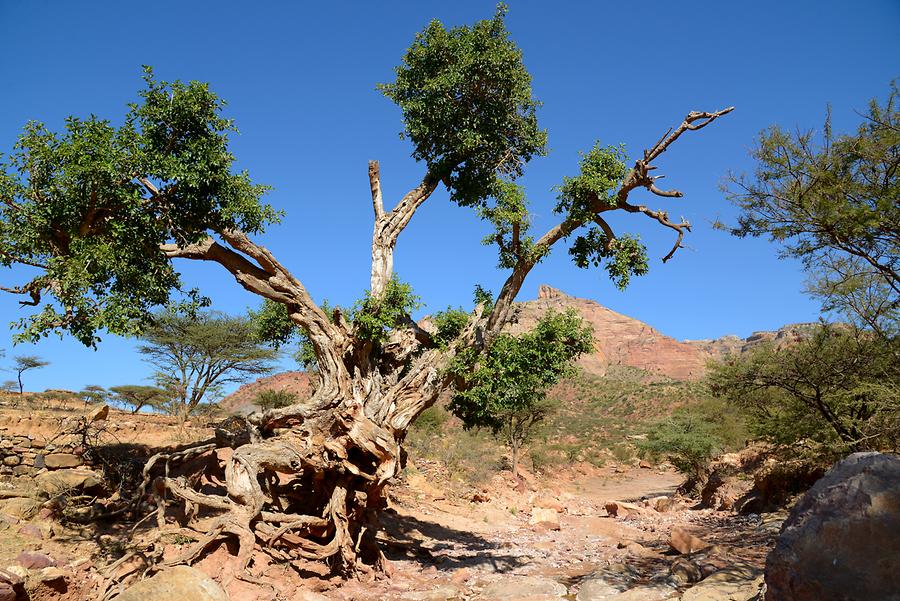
(585, 534)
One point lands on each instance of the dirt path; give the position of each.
(444, 550)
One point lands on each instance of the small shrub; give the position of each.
(273, 399)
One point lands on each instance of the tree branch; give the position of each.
(638, 177)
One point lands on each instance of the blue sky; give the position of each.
(300, 80)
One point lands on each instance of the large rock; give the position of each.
(179, 584)
(60, 460)
(842, 540)
(59, 481)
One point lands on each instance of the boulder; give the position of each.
(59, 460)
(181, 582)
(842, 539)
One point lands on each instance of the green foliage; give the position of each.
(432, 420)
(94, 394)
(839, 388)
(504, 389)
(373, 317)
(272, 325)
(138, 397)
(832, 203)
(510, 218)
(75, 207)
(514, 374)
(448, 324)
(468, 107)
(602, 170)
(622, 257)
(482, 296)
(274, 399)
(689, 441)
(197, 354)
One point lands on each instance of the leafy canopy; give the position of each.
(468, 107)
(832, 202)
(90, 207)
(839, 388)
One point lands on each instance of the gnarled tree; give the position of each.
(101, 214)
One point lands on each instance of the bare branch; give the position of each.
(638, 177)
(375, 184)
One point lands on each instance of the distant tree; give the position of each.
(197, 354)
(93, 394)
(832, 202)
(137, 397)
(9, 386)
(505, 390)
(839, 388)
(274, 399)
(25, 363)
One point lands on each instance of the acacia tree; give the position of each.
(137, 397)
(831, 201)
(102, 213)
(197, 353)
(505, 388)
(25, 363)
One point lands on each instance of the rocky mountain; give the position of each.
(622, 340)
(619, 340)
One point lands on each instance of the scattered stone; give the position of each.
(99, 414)
(60, 460)
(23, 508)
(11, 460)
(685, 571)
(842, 539)
(645, 465)
(443, 592)
(621, 509)
(739, 583)
(64, 479)
(651, 592)
(523, 588)
(31, 531)
(34, 561)
(595, 588)
(480, 498)
(663, 504)
(181, 582)
(684, 542)
(547, 518)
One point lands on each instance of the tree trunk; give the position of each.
(306, 481)
(21, 388)
(514, 446)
